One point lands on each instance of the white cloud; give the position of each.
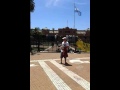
(56, 2)
(59, 3)
(52, 3)
(48, 3)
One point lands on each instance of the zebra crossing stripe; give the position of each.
(57, 81)
(58, 59)
(85, 84)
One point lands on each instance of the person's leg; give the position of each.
(65, 60)
(61, 61)
(61, 57)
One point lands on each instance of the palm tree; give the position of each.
(32, 5)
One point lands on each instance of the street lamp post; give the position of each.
(55, 37)
(56, 41)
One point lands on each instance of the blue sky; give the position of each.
(56, 13)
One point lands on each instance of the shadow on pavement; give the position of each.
(67, 64)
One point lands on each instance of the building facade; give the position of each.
(68, 32)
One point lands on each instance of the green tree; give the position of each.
(31, 32)
(37, 36)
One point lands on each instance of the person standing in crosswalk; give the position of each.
(64, 49)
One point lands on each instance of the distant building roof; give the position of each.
(81, 30)
(68, 28)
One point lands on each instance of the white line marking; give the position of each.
(34, 61)
(32, 65)
(85, 84)
(43, 60)
(56, 59)
(85, 62)
(74, 61)
(57, 81)
(83, 58)
(78, 61)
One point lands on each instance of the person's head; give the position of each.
(64, 39)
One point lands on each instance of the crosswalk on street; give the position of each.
(51, 75)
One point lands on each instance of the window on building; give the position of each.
(55, 31)
(60, 31)
(50, 31)
(67, 31)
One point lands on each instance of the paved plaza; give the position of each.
(46, 72)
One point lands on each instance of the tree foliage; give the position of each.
(32, 5)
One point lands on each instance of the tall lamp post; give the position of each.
(55, 37)
(56, 41)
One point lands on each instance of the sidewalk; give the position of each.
(46, 55)
(47, 74)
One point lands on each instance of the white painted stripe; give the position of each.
(32, 65)
(57, 81)
(57, 59)
(33, 61)
(85, 62)
(85, 84)
(79, 61)
(44, 60)
(83, 58)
